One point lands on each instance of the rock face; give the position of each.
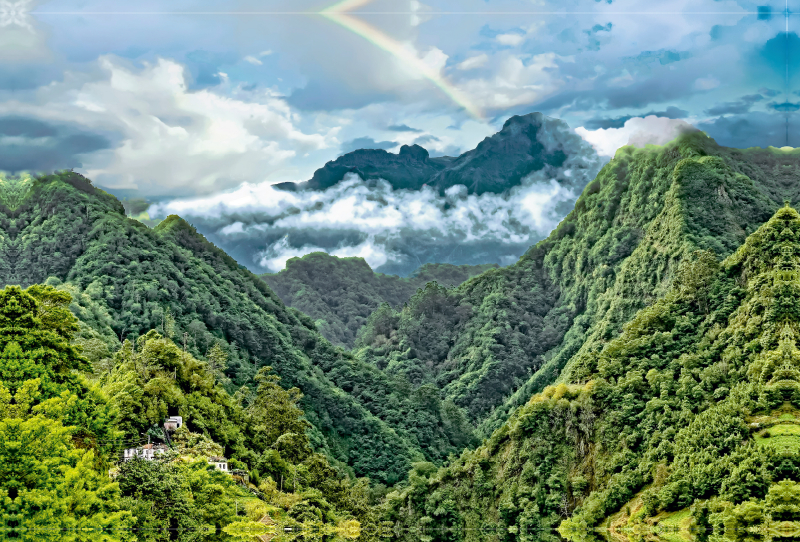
(526, 144)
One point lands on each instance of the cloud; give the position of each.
(515, 81)
(670, 112)
(394, 230)
(21, 38)
(473, 62)
(253, 60)
(172, 140)
(785, 107)
(35, 145)
(366, 143)
(753, 129)
(743, 105)
(636, 131)
(706, 83)
(402, 128)
(511, 39)
(423, 140)
(275, 256)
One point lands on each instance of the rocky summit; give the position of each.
(526, 144)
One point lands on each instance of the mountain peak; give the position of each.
(526, 144)
(415, 151)
(530, 118)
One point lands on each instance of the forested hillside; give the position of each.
(63, 428)
(500, 337)
(696, 404)
(340, 293)
(665, 356)
(61, 230)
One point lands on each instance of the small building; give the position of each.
(173, 422)
(220, 463)
(147, 452)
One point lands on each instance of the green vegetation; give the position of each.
(499, 338)
(62, 428)
(694, 405)
(341, 293)
(665, 309)
(46, 408)
(127, 279)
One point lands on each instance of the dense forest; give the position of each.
(690, 418)
(341, 293)
(636, 367)
(499, 338)
(67, 233)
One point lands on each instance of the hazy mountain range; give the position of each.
(400, 211)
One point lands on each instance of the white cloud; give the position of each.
(230, 229)
(379, 223)
(21, 38)
(473, 62)
(276, 255)
(511, 39)
(419, 12)
(253, 60)
(174, 139)
(435, 58)
(637, 131)
(515, 81)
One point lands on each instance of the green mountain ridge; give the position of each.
(677, 377)
(340, 293)
(498, 338)
(60, 228)
(696, 404)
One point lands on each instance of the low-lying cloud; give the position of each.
(637, 131)
(395, 231)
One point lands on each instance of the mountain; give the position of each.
(526, 144)
(690, 418)
(409, 169)
(499, 338)
(132, 279)
(340, 293)
(403, 210)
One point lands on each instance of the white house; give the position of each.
(147, 452)
(220, 463)
(173, 422)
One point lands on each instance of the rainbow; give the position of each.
(338, 13)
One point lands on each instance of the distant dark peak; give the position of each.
(287, 186)
(530, 118)
(415, 151)
(527, 143)
(368, 152)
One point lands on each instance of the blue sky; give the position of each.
(196, 101)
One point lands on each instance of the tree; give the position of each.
(217, 360)
(274, 412)
(45, 481)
